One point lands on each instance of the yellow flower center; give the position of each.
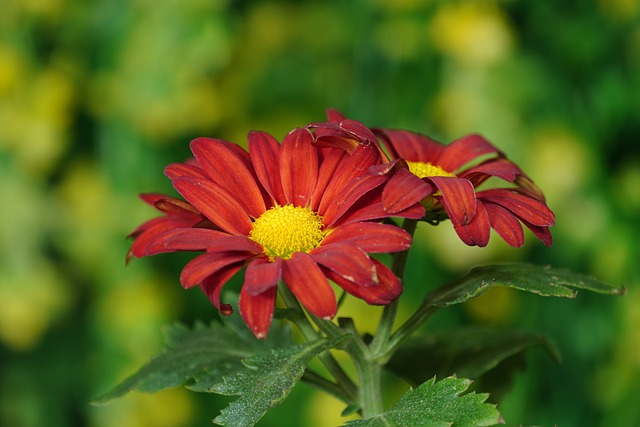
(425, 170)
(284, 230)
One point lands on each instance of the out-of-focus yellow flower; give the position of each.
(168, 408)
(471, 32)
(620, 10)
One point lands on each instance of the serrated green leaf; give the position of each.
(467, 352)
(199, 355)
(541, 280)
(266, 381)
(437, 404)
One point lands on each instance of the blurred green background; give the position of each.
(96, 97)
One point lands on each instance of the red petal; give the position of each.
(172, 206)
(334, 115)
(355, 191)
(205, 265)
(458, 198)
(184, 239)
(265, 155)
(477, 231)
(215, 203)
(227, 168)
(388, 289)
(351, 168)
(410, 146)
(298, 166)
(403, 190)
(501, 168)
(176, 170)
(506, 224)
(331, 159)
(309, 284)
(149, 232)
(525, 207)
(374, 210)
(350, 262)
(257, 311)
(463, 150)
(541, 233)
(212, 286)
(370, 237)
(261, 275)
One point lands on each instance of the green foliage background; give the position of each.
(96, 97)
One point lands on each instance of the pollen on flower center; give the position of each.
(284, 230)
(425, 170)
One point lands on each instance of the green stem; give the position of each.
(350, 391)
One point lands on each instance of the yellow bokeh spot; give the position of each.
(494, 307)
(424, 170)
(471, 33)
(284, 230)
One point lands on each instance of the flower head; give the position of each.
(289, 212)
(446, 178)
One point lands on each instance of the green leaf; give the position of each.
(468, 352)
(266, 381)
(541, 280)
(437, 404)
(205, 353)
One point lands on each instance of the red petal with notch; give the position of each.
(388, 289)
(215, 203)
(477, 231)
(227, 168)
(463, 150)
(458, 198)
(298, 166)
(348, 261)
(212, 287)
(505, 224)
(308, 283)
(526, 208)
(257, 311)
(265, 155)
(207, 264)
(541, 233)
(371, 237)
(403, 190)
(261, 275)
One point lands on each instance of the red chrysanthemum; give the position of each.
(447, 179)
(292, 212)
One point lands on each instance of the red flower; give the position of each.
(292, 212)
(442, 177)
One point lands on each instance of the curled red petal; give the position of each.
(151, 231)
(477, 231)
(176, 170)
(262, 274)
(257, 310)
(207, 264)
(298, 166)
(308, 283)
(348, 261)
(215, 203)
(458, 198)
(371, 237)
(265, 155)
(225, 166)
(541, 232)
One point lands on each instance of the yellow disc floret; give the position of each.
(425, 170)
(284, 230)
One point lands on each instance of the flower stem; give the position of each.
(350, 390)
